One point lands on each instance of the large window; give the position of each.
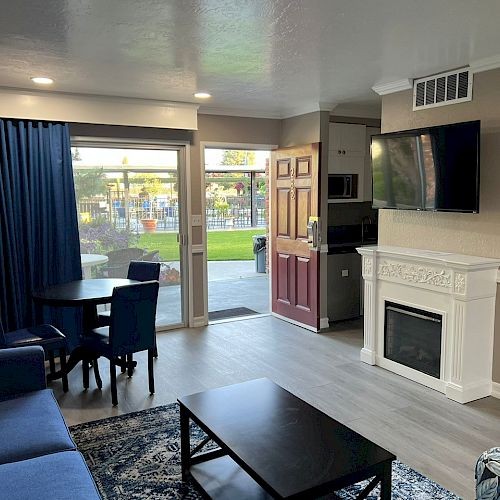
(129, 209)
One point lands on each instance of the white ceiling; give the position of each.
(257, 57)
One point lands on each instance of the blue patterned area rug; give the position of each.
(137, 456)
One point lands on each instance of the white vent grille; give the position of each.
(439, 90)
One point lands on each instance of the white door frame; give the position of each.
(184, 176)
(224, 145)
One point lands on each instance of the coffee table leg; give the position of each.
(385, 483)
(185, 444)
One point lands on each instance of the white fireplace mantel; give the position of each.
(461, 288)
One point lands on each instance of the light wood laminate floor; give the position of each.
(432, 434)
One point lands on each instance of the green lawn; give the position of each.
(222, 245)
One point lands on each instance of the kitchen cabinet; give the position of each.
(347, 153)
(344, 286)
(347, 139)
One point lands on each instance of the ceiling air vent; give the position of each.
(439, 90)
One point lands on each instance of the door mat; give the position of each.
(230, 313)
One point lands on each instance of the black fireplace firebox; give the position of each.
(413, 338)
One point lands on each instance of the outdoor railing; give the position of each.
(234, 212)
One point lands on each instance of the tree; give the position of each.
(237, 157)
(75, 155)
(89, 183)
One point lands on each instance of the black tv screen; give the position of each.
(433, 168)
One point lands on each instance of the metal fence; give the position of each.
(236, 212)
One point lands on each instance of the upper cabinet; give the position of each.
(349, 153)
(347, 139)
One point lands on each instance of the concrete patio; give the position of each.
(231, 284)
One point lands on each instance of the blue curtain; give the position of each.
(39, 242)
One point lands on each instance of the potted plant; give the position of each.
(151, 186)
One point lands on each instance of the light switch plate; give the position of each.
(345, 273)
(196, 220)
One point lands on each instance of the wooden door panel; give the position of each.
(284, 278)
(284, 212)
(302, 283)
(294, 189)
(284, 166)
(304, 166)
(302, 211)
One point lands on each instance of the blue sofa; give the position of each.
(38, 457)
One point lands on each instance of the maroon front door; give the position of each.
(295, 265)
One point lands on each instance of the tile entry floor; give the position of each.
(436, 436)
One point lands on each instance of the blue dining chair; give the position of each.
(131, 329)
(138, 271)
(46, 336)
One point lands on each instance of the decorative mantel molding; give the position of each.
(461, 288)
(415, 274)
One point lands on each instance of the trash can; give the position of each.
(259, 251)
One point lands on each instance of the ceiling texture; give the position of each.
(270, 58)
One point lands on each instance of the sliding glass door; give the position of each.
(130, 207)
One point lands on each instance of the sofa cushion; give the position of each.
(58, 476)
(32, 425)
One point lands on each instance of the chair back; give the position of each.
(143, 271)
(118, 262)
(151, 256)
(132, 319)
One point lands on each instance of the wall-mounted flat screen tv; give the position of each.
(433, 168)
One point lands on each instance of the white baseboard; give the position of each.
(324, 323)
(199, 321)
(468, 393)
(367, 356)
(495, 389)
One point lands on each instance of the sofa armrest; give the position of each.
(22, 369)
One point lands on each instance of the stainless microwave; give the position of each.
(342, 186)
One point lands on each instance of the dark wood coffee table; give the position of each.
(271, 444)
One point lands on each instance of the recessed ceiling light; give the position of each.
(42, 80)
(202, 95)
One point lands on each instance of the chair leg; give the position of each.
(151, 374)
(85, 368)
(112, 372)
(130, 365)
(52, 362)
(123, 366)
(64, 374)
(97, 375)
(155, 350)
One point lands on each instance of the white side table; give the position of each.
(89, 260)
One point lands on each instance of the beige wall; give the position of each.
(312, 127)
(475, 234)
(211, 128)
(303, 129)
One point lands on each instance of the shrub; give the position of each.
(101, 237)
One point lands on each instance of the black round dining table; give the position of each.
(80, 293)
